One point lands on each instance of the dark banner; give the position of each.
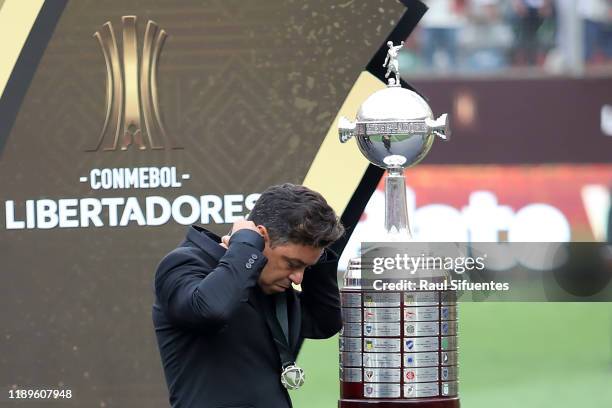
(518, 120)
(143, 117)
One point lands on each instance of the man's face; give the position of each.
(286, 264)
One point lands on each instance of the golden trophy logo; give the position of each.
(131, 87)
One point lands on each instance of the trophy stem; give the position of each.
(396, 207)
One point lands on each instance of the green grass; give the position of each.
(511, 355)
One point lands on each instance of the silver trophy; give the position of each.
(395, 129)
(397, 346)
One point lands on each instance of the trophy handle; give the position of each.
(346, 129)
(439, 127)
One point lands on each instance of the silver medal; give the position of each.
(292, 377)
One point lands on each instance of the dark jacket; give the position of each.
(210, 322)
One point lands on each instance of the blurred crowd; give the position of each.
(481, 35)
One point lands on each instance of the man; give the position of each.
(531, 15)
(440, 28)
(391, 61)
(226, 316)
(596, 16)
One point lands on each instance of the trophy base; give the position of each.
(413, 403)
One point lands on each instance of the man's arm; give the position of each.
(320, 299)
(196, 295)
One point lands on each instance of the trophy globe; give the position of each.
(395, 129)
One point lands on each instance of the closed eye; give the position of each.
(294, 264)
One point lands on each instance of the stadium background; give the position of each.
(251, 91)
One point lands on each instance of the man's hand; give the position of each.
(238, 225)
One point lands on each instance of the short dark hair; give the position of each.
(296, 214)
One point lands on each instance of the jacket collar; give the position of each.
(207, 241)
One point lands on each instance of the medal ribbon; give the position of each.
(278, 322)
